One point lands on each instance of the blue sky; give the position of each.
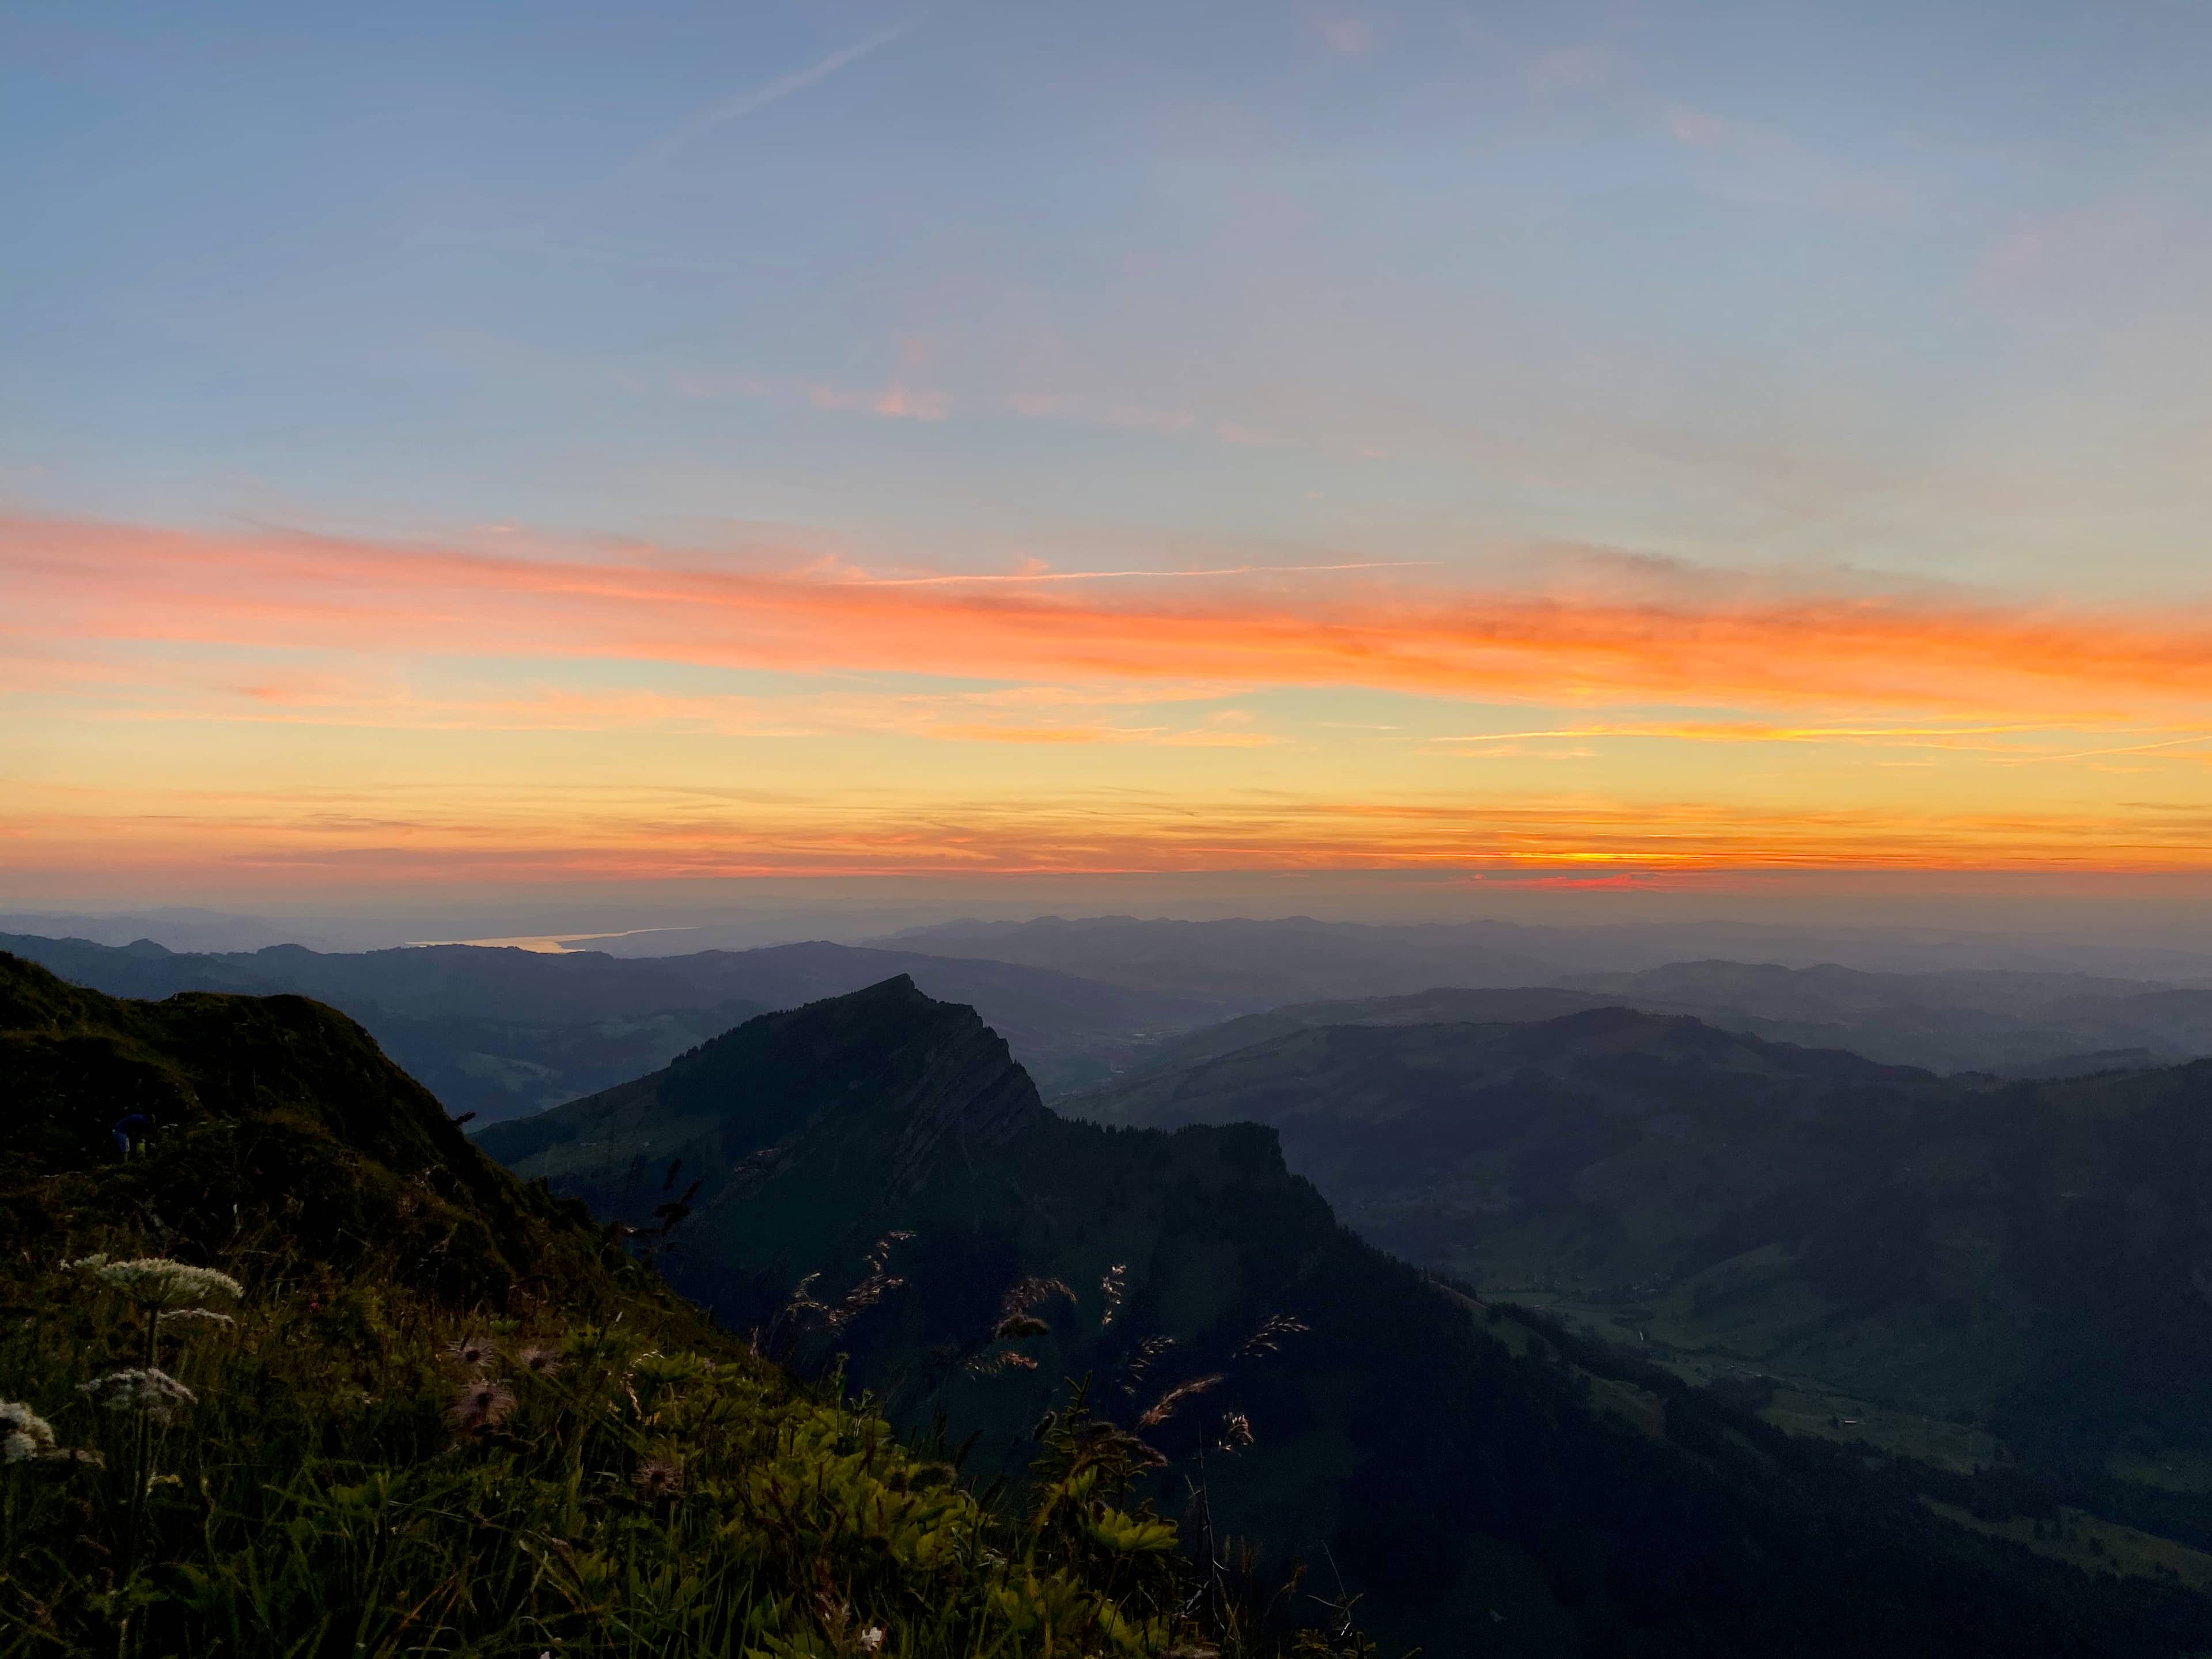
(1738, 284)
(447, 443)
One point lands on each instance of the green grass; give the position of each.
(2094, 1545)
(450, 1415)
(628, 1496)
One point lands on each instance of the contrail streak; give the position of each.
(746, 103)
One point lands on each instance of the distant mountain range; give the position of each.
(1487, 1482)
(2008, 1024)
(2009, 1021)
(2035, 1258)
(2013, 1024)
(504, 1033)
(1298, 959)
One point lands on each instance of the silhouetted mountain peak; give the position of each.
(885, 1066)
(877, 1086)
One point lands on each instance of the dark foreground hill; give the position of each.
(503, 1033)
(2028, 1258)
(1487, 1482)
(372, 1395)
(275, 1116)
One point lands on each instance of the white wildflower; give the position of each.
(168, 1316)
(29, 1435)
(471, 1350)
(30, 1438)
(482, 1404)
(23, 1421)
(156, 1392)
(870, 1640)
(158, 1282)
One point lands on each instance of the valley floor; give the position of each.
(1805, 1405)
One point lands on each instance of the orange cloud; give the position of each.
(1957, 658)
(402, 834)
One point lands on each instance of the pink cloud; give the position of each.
(1349, 37)
(1695, 127)
(1704, 643)
(1573, 68)
(1745, 161)
(893, 402)
(1248, 437)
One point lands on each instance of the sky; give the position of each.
(1627, 445)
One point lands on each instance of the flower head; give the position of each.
(156, 1281)
(479, 1406)
(1269, 1339)
(471, 1350)
(539, 1359)
(1164, 1406)
(1114, 1285)
(28, 1435)
(155, 1392)
(659, 1478)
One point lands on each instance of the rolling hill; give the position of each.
(2005, 1024)
(1485, 1480)
(2026, 1257)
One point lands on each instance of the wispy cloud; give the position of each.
(756, 98)
(1250, 437)
(1349, 37)
(1084, 411)
(893, 402)
(1020, 577)
(1950, 654)
(1585, 68)
(1746, 161)
(640, 831)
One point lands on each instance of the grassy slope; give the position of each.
(1450, 1473)
(632, 1480)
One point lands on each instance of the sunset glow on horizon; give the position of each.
(645, 713)
(862, 441)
